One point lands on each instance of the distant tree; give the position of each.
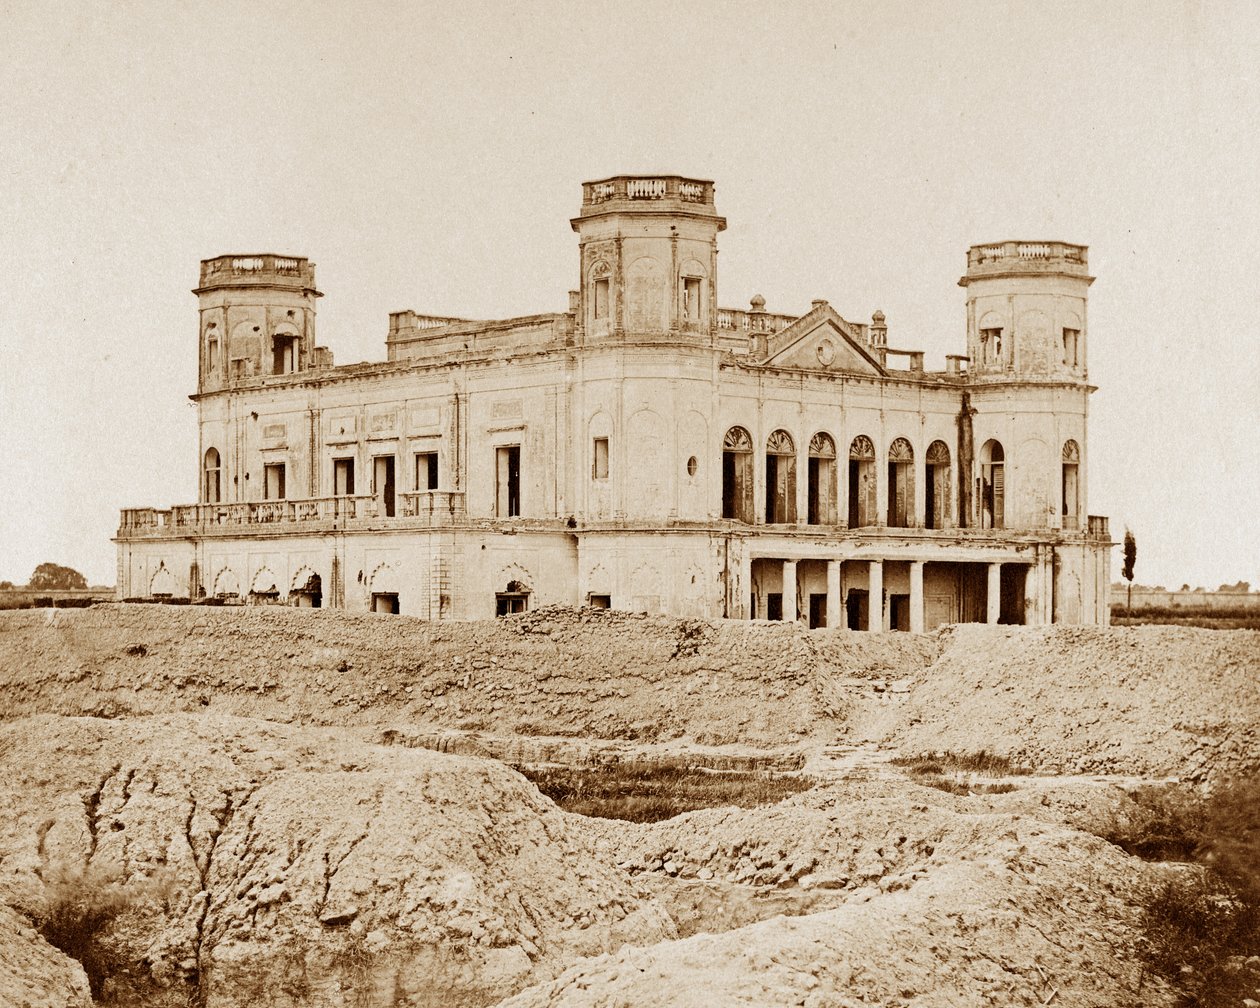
(1130, 558)
(56, 577)
(1185, 587)
(6, 585)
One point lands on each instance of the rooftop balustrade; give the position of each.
(635, 188)
(1028, 254)
(235, 270)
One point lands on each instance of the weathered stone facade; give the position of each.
(646, 449)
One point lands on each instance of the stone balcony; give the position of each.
(427, 509)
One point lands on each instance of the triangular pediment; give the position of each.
(821, 341)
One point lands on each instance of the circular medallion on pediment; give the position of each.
(826, 352)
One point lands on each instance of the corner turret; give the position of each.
(1026, 310)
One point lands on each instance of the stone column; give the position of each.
(1032, 593)
(789, 590)
(994, 594)
(916, 596)
(875, 597)
(834, 602)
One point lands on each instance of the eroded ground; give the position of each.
(311, 808)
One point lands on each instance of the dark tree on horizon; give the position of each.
(1130, 558)
(54, 576)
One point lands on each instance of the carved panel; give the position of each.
(900, 451)
(780, 443)
(737, 439)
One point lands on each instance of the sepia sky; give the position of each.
(429, 156)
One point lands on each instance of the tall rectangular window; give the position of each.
(691, 299)
(273, 481)
(343, 477)
(383, 484)
(426, 470)
(991, 339)
(507, 470)
(1070, 339)
(601, 298)
(600, 470)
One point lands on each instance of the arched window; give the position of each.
(211, 487)
(780, 479)
(737, 475)
(936, 486)
(1071, 484)
(900, 484)
(822, 480)
(992, 485)
(861, 482)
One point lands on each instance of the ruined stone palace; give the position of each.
(644, 449)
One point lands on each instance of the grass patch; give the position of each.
(1200, 928)
(76, 916)
(637, 793)
(982, 762)
(957, 787)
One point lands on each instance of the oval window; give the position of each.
(693, 466)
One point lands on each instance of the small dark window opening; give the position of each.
(600, 470)
(601, 298)
(284, 354)
(774, 605)
(508, 481)
(273, 481)
(426, 470)
(691, 299)
(600, 602)
(383, 483)
(343, 477)
(514, 600)
(212, 477)
(385, 602)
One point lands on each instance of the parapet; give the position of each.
(1026, 258)
(652, 193)
(257, 270)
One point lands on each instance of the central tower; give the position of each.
(648, 252)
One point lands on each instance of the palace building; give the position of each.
(646, 449)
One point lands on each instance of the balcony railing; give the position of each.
(1100, 527)
(432, 504)
(651, 187)
(739, 320)
(433, 507)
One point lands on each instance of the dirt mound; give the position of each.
(1155, 701)
(931, 903)
(33, 974)
(301, 864)
(588, 673)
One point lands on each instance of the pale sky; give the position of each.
(429, 156)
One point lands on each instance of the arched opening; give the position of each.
(513, 599)
(1071, 485)
(821, 498)
(309, 594)
(737, 476)
(900, 484)
(992, 485)
(780, 479)
(936, 486)
(861, 482)
(211, 485)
